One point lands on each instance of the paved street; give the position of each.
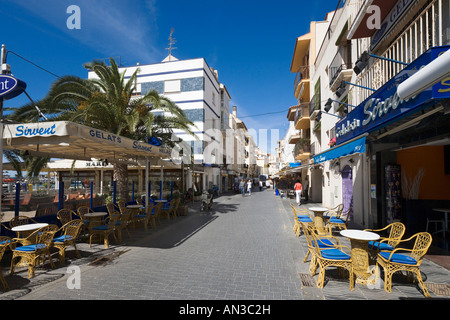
(244, 250)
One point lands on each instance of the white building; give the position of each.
(195, 88)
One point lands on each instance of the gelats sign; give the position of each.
(385, 106)
(10, 87)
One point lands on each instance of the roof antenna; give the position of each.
(172, 41)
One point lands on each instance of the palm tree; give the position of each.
(107, 103)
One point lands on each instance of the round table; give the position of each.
(359, 241)
(318, 219)
(94, 218)
(25, 230)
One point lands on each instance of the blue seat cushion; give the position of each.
(334, 254)
(323, 243)
(4, 242)
(381, 246)
(305, 220)
(398, 258)
(336, 220)
(62, 238)
(31, 247)
(101, 228)
(140, 216)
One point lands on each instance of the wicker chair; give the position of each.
(393, 261)
(175, 209)
(19, 221)
(69, 234)
(81, 211)
(324, 255)
(143, 217)
(340, 221)
(336, 211)
(65, 215)
(157, 212)
(31, 253)
(396, 232)
(324, 241)
(300, 216)
(166, 211)
(4, 244)
(104, 230)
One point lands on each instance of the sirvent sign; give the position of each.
(384, 106)
(10, 87)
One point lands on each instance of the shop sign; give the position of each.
(10, 87)
(391, 19)
(385, 106)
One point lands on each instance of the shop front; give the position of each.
(407, 148)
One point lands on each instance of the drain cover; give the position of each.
(441, 289)
(307, 280)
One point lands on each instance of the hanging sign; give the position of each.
(10, 87)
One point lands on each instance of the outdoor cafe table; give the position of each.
(95, 218)
(25, 230)
(359, 241)
(318, 219)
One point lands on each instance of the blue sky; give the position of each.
(249, 42)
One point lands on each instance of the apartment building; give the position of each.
(194, 86)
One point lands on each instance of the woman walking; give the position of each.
(298, 191)
(249, 187)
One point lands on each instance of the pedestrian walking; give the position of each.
(298, 192)
(249, 187)
(242, 187)
(305, 188)
(260, 185)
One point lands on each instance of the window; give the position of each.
(172, 86)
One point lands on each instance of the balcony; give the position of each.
(302, 149)
(302, 120)
(340, 68)
(301, 84)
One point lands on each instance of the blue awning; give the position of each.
(355, 146)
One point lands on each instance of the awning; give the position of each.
(346, 149)
(68, 140)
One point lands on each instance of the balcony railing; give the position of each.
(302, 74)
(314, 104)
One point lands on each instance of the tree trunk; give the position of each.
(121, 176)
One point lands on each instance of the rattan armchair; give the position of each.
(19, 221)
(166, 211)
(324, 255)
(123, 221)
(4, 244)
(30, 254)
(65, 215)
(81, 211)
(409, 261)
(175, 209)
(143, 217)
(157, 211)
(340, 220)
(104, 230)
(300, 216)
(69, 235)
(396, 232)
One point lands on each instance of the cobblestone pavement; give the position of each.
(245, 249)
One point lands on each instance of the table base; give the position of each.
(365, 274)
